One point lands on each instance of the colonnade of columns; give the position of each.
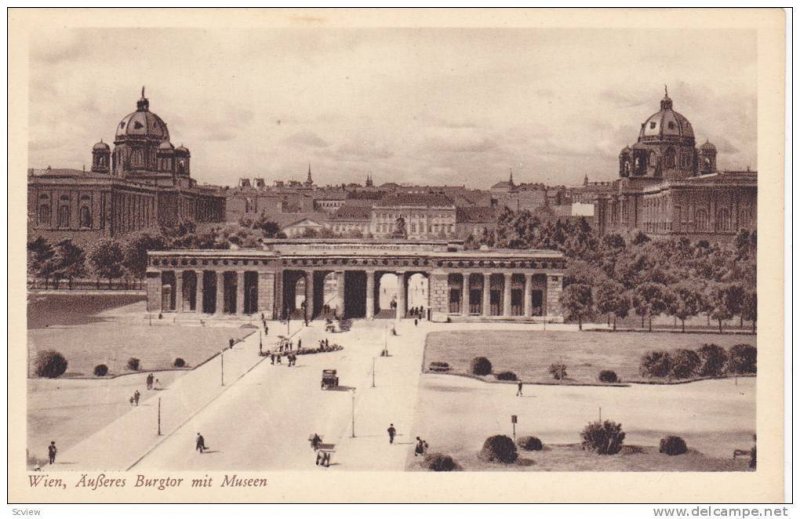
(505, 303)
(176, 295)
(244, 292)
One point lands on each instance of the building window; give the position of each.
(701, 220)
(652, 125)
(669, 158)
(44, 214)
(724, 220)
(63, 216)
(653, 158)
(86, 217)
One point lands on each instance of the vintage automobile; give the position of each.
(329, 379)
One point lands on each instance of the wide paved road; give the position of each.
(264, 420)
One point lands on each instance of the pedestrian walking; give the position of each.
(149, 381)
(419, 450)
(272, 359)
(136, 396)
(299, 343)
(157, 385)
(416, 321)
(519, 388)
(200, 443)
(51, 452)
(131, 400)
(279, 359)
(392, 432)
(266, 329)
(230, 343)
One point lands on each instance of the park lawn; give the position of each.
(572, 458)
(113, 343)
(529, 354)
(92, 329)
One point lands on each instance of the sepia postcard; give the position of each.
(365, 255)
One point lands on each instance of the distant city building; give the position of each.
(145, 182)
(668, 187)
(414, 216)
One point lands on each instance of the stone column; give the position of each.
(153, 284)
(266, 294)
(487, 290)
(220, 307)
(240, 292)
(506, 294)
(309, 294)
(465, 294)
(527, 301)
(340, 293)
(179, 291)
(370, 311)
(554, 286)
(198, 299)
(401, 295)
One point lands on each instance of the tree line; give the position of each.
(613, 276)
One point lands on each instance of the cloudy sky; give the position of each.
(436, 106)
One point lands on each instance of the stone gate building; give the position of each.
(344, 277)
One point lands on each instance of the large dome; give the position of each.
(142, 123)
(667, 125)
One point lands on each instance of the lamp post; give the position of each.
(353, 414)
(159, 416)
(373, 371)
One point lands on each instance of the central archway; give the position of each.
(387, 296)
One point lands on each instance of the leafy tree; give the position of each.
(269, 228)
(651, 299)
(612, 300)
(308, 232)
(70, 261)
(107, 257)
(577, 302)
(726, 300)
(687, 301)
(41, 260)
(750, 307)
(135, 252)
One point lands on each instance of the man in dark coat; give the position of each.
(392, 432)
(51, 452)
(200, 444)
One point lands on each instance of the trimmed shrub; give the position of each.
(685, 363)
(712, 360)
(440, 462)
(608, 376)
(530, 443)
(133, 364)
(499, 449)
(438, 366)
(742, 359)
(672, 445)
(179, 363)
(50, 364)
(480, 366)
(603, 438)
(101, 370)
(506, 375)
(655, 364)
(558, 370)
